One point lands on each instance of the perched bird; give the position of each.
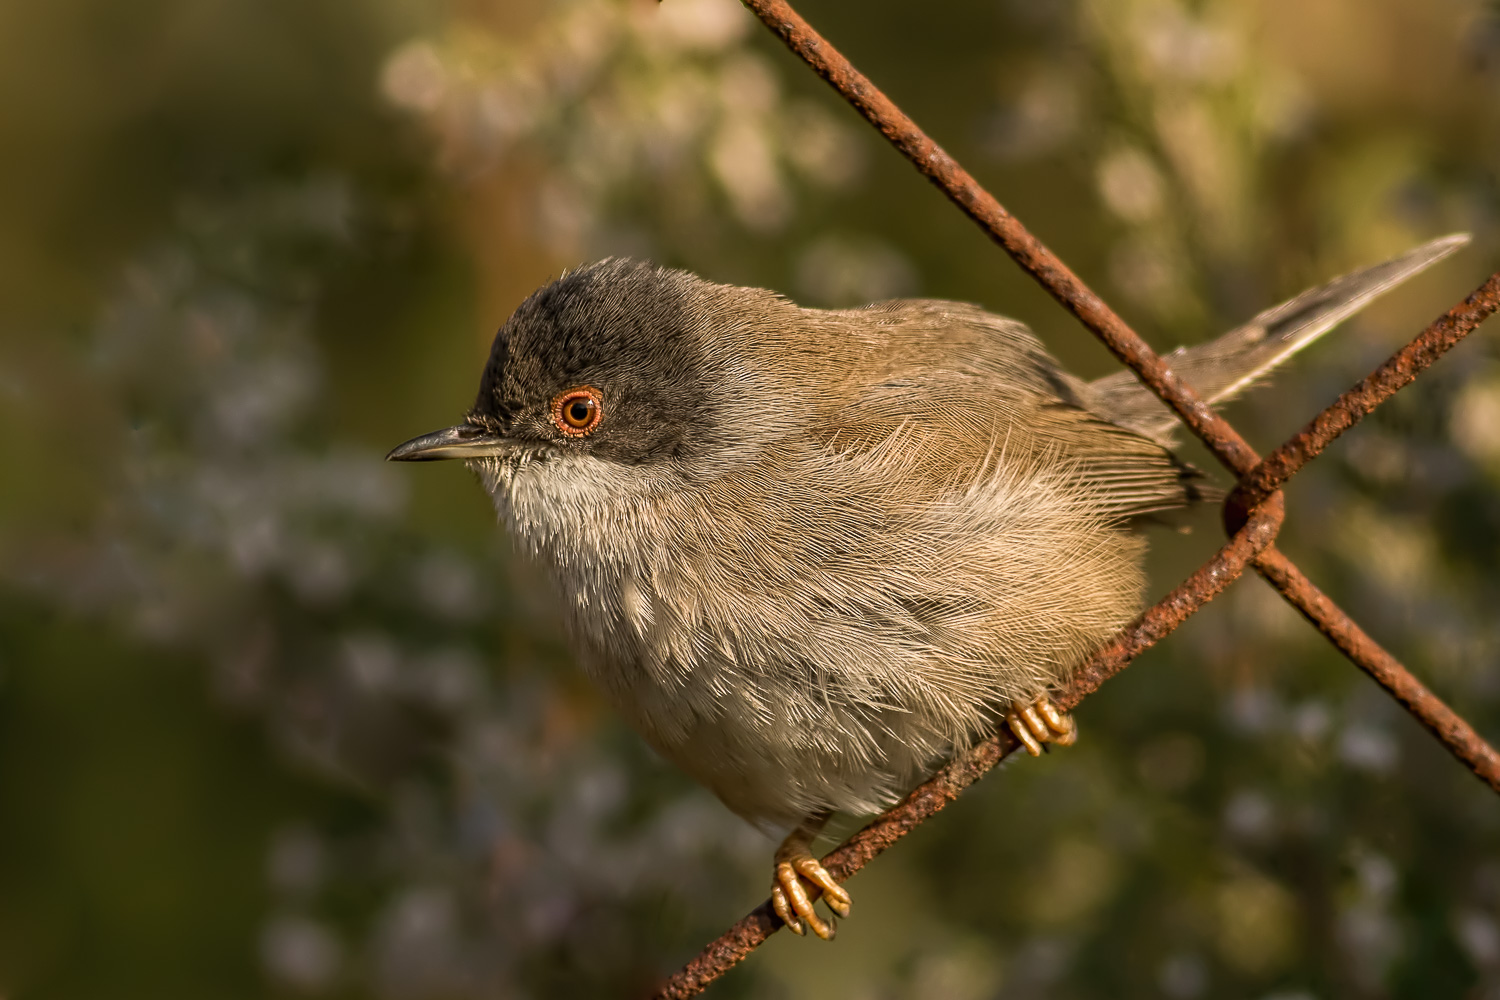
(809, 554)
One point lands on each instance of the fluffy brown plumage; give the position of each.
(809, 553)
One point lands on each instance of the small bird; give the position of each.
(810, 554)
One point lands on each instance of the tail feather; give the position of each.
(1225, 367)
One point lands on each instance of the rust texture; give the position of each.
(1253, 513)
(1349, 409)
(1447, 725)
(730, 948)
(1005, 229)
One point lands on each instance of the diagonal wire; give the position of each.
(1349, 409)
(1253, 513)
(1253, 539)
(1258, 479)
(1448, 726)
(735, 944)
(1005, 229)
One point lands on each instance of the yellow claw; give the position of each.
(795, 865)
(1040, 722)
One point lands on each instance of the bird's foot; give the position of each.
(792, 899)
(1040, 722)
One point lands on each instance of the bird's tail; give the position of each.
(1222, 368)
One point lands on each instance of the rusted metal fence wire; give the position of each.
(1253, 512)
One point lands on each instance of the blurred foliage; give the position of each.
(276, 719)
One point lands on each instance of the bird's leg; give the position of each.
(795, 863)
(1040, 722)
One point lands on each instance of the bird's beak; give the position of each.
(463, 441)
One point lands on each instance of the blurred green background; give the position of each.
(279, 720)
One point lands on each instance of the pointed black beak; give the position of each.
(463, 441)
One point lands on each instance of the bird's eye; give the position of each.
(578, 411)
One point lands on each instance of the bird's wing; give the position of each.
(970, 389)
(1222, 368)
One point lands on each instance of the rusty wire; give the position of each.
(1448, 726)
(1253, 512)
(1349, 409)
(1005, 229)
(730, 948)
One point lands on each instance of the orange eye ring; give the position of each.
(578, 411)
